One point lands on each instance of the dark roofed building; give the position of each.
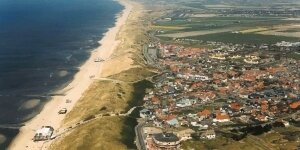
(165, 141)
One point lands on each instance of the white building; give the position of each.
(43, 133)
(209, 134)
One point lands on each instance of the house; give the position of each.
(206, 96)
(184, 103)
(244, 118)
(255, 96)
(203, 125)
(202, 78)
(172, 122)
(235, 106)
(157, 123)
(185, 134)
(163, 141)
(155, 100)
(295, 105)
(145, 113)
(221, 117)
(44, 133)
(285, 123)
(261, 118)
(204, 113)
(208, 134)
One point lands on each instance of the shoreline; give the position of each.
(49, 115)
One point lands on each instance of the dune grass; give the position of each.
(133, 74)
(101, 134)
(108, 133)
(101, 97)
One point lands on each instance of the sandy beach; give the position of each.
(82, 80)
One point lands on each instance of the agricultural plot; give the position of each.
(237, 23)
(283, 30)
(247, 38)
(195, 26)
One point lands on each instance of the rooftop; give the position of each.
(166, 137)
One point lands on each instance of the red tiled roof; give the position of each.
(260, 117)
(196, 84)
(167, 117)
(223, 90)
(251, 75)
(155, 100)
(273, 70)
(235, 106)
(295, 105)
(222, 116)
(204, 113)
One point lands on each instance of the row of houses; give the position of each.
(202, 93)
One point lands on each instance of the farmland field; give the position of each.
(221, 23)
(248, 38)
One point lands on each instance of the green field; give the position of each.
(211, 23)
(249, 38)
(294, 56)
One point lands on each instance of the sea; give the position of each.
(42, 45)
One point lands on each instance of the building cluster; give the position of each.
(209, 89)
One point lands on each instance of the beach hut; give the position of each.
(43, 133)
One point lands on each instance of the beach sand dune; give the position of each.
(82, 80)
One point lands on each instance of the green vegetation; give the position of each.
(211, 23)
(133, 75)
(100, 94)
(195, 5)
(291, 30)
(139, 92)
(101, 134)
(294, 55)
(223, 143)
(249, 38)
(128, 133)
(272, 140)
(102, 97)
(258, 3)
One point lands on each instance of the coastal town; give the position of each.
(220, 90)
(181, 75)
(227, 74)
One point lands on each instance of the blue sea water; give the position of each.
(42, 44)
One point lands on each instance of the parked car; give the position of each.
(68, 101)
(62, 111)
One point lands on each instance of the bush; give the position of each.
(89, 117)
(103, 108)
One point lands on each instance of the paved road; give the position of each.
(140, 142)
